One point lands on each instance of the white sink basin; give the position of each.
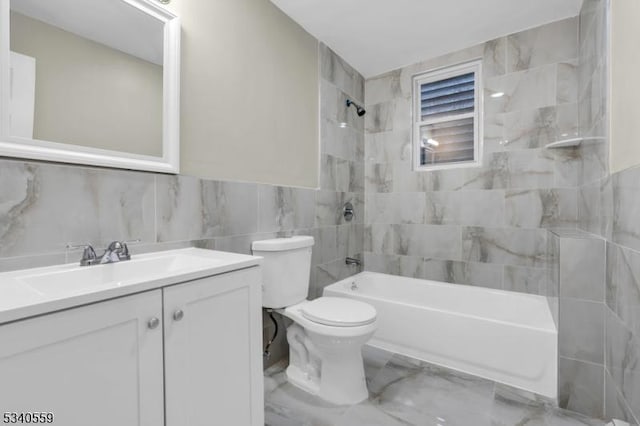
(77, 279)
(35, 291)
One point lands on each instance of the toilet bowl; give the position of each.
(325, 345)
(327, 334)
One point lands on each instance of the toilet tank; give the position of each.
(285, 269)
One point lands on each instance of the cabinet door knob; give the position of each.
(178, 315)
(153, 323)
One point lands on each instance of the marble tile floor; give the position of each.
(404, 391)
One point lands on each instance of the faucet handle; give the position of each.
(121, 249)
(116, 246)
(125, 250)
(89, 255)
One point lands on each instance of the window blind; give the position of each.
(447, 131)
(454, 141)
(455, 95)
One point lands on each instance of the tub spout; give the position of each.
(352, 261)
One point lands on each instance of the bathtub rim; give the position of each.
(549, 327)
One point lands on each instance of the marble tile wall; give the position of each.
(486, 225)
(341, 172)
(622, 345)
(579, 274)
(45, 206)
(618, 210)
(608, 207)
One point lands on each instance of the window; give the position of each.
(447, 117)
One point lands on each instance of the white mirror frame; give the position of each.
(12, 146)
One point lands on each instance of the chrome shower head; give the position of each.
(359, 110)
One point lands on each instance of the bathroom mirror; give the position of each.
(90, 82)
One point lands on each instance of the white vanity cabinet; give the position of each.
(97, 365)
(187, 354)
(213, 361)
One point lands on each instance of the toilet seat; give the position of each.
(338, 312)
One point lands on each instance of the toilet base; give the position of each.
(352, 396)
(302, 380)
(327, 366)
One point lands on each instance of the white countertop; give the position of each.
(37, 291)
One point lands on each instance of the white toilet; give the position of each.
(326, 338)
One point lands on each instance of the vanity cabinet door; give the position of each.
(98, 365)
(213, 351)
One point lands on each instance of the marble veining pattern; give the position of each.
(191, 208)
(582, 267)
(626, 208)
(580, 387)
(284, 209)
(503, 209)
(531, 88)
(525, 279)
(524, 247)
(582, 330)
(623, 360)
(339, 73)
(578, 274)
(534, 128)
(543, 45)
(44, 206)
(623, 285)
(404, 391)
(542, 208)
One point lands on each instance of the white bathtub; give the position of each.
(503, 336)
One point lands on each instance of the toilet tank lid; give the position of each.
(282, 244)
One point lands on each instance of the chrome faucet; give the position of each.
(89, 256)
(117, 251)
